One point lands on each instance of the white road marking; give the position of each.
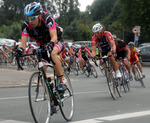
(23, 97)
(115, 117)
(12, 121)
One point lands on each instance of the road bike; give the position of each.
(44, 97)
(89, 69)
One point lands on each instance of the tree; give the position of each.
(136, 14)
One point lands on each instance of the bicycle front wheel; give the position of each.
(75, 68)
(139, 76)
(111, 84)
(39, 99)
(66, 104)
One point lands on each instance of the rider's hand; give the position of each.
(49, 46)
(114, 53)
(94, 59)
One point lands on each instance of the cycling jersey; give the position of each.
(83, 53)
(41, 34)
(3, 48)
(64, 52)
(30, 49)
(120, 49)
(120, 45)
(133, 55)
(104, 43)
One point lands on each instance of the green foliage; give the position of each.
(117, 16)
(12, 32)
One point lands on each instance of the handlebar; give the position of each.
(35, 52)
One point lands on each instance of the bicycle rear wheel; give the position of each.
(93, 71)
(39, 99)
(66, 104)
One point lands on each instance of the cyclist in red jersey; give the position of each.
(123, 52)
(83, 56)
(105, 42)
(41, 27)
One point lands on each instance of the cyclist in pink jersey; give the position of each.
(105, 42)
(41, 27)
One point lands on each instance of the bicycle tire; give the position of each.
(67, 106)
(140, 79)
(75, 68)
(102, 69)
(93, 71)
(110, 83)
(87, 73)
(123, 79)
(127, 82)
(39, 99)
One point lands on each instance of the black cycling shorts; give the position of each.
(122, 54)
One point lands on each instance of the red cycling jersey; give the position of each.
(104, 43)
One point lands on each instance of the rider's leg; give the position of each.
(57, 66)
(115, 65)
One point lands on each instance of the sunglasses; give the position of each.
(32, 18)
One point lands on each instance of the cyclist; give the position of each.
(134, 58)
(41, 27)
(83, 56)
(123, 51)
(3, 49)
(105, 42)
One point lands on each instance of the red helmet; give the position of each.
(4, 45)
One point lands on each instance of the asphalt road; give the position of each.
(93, 103)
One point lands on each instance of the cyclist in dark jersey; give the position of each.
(41, 27)
(123, 52)
(104, 41)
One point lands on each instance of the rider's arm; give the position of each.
(113, 45)
(53, 34)
(128, 51)
(93, 51)
(24, 40)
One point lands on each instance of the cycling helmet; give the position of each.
(33, 9)
(4, 45)
(82, 47)
(97, 28)
(114, 37)
(131, 44)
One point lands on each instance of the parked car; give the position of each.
(143, 44)
(7, 42)
(145, 53)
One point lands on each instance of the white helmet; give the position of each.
(97, 28)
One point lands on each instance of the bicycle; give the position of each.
(114, 84)
(138, 74)
(89, 69)
(44, 98)
(125, 76)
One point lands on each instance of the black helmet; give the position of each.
(82, 47)
(33, 9)
(131, 44)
